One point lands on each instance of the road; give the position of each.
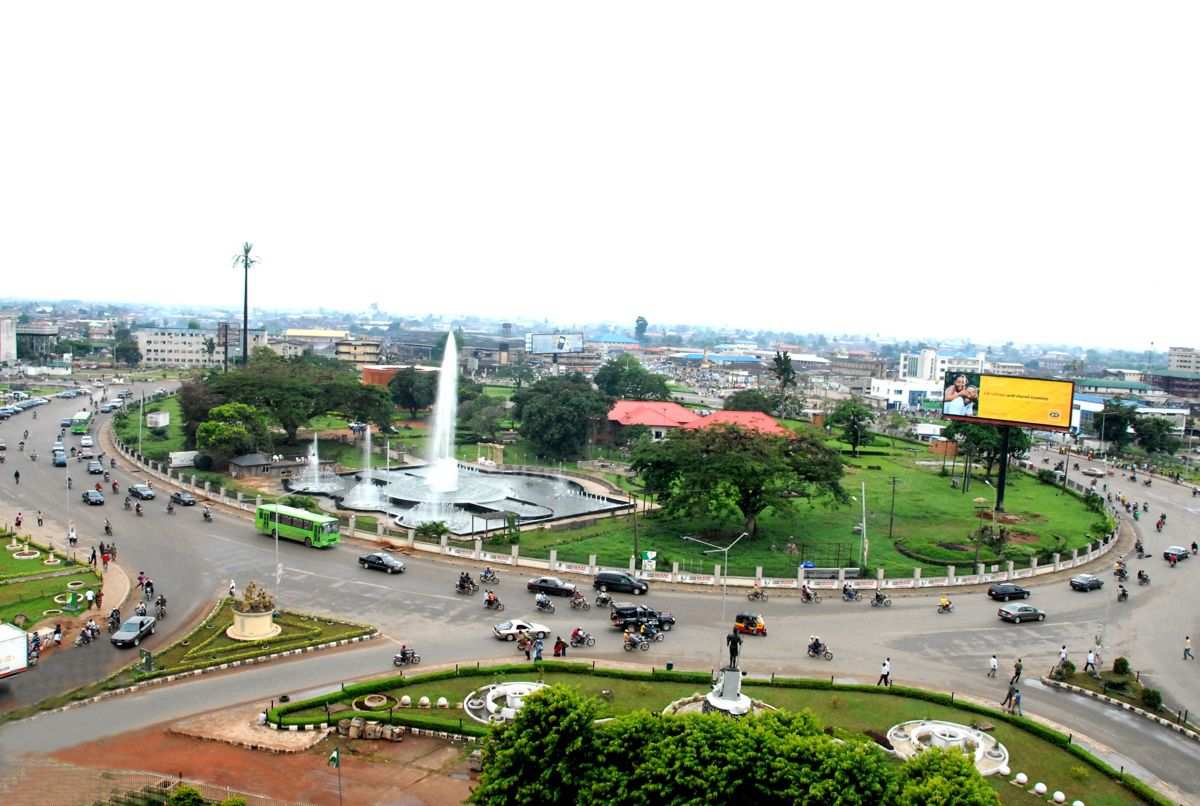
(192, 561)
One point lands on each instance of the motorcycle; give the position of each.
(1146, 506)
(1122, 596)
(851, 596)
(468, 588)
(603, 599)
(114, 624)
(108, 530)
(490, 578)
(812, 598)
(1147, 482)
(1158, 526)
(1144, 579)
(138, 510)
(207, 517)
(634, 641)
(494, 604)
(757, 595)
(941, 608)
(578, 602)
(820, 651)
(160, 610)
(128, 506)
(884, 602)
(406, 658)
(116, 488)
(583, 639)
(170, 509)
(545, 607)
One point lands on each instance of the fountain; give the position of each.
(312, 480)
(443, 478)
(366, 494)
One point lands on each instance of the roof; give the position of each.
(750, 420)
(297, 513)
(720, 358)
(314, 333)
(1176, 373)
(250, 460)
(1111, 383)
(663, 414)
(612, 339)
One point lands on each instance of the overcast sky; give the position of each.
(1022, 171)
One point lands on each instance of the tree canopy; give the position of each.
(1115, 423)
(984, 442)
(625, 377)
(1154, 435)
(855, 420)
(748, 400)
(413, 390)
(724, 471)
(233, 429)
(557, 414)
(639, 328)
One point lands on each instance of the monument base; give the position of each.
(726, 696)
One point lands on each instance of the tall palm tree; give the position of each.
(246, 261)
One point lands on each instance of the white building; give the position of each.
(903, 394)
(179, 347)
(8, 339)
(1183, 359)
(927, 365)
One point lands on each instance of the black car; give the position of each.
(184, 499)
(551, 585)
(133, 631)
(1176, 553)
(1004, 591)
(95, 468)
(93, 498)
(141, 491)
(1086, 582)
(382, 561)
(621, 582)
(625, 614)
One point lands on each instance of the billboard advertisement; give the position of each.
(1008, 400)
(552, 343)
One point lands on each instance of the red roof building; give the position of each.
(750, 420)
(661, 416)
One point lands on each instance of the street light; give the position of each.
(724, 567)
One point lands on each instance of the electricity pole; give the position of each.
(892, 516)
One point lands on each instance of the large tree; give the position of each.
(360, 401)
(854, 418)
(625, 377)
(984, 443)
(748, 400)
(639, 328)
(783, 371)
(232, 429)
(413, 390)
(724, 471)
(1154, 435)
(557, 414)
(1115, 423)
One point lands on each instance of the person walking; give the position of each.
(1017, 667)
(149, 589)
(91, 598)
(538, 645)
(1187, 648)
(1016, 703)
(1090, 663)
(1008, 698)
(104, 560)
(100, 599)
(1062, 655)
(232, 589)
(92, 558)
(993, 667)
(39, 518)
(885, 673)
(141, 579)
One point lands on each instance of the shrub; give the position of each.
(1121, 666)
(1152, 698)
(203, 461)
(1046, 476)
(184, 795)
(1064, 670)
(234, 801)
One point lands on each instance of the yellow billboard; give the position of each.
(1008, 400)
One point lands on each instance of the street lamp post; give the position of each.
(724, 567)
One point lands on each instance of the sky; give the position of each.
(1007, 171)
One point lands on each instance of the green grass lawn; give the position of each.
(11, 568)
(501, 392)
(326, 422)
(36, 595)
(850, 712)
(154, 447)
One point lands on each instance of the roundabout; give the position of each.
(500, 702)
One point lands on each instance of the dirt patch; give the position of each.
(1023, 537)
(1001, 517)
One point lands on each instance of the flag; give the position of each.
(335, 760)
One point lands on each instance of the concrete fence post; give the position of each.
(207, 487)
(445, 541)
(353, 524)
(591, 563)
(478, 546)
(879, 574)
(379, 527)
(950, 572)
(412, 537)
(1033, 564)
(674, 570)
(1009, 567)
(553, 559)
(516, 555)
(193, 481)
(222, 492)
(239, 498)
(917, 576)
(1057, 561)
(841, 576)
(758, 572)
(257, 501)
(717, 574)
(1074, 557)
(632, 564)
(979, 568)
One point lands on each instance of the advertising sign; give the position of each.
(550, 343)
(1008, 400)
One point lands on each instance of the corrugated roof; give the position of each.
(662, 414)
(1111, 383)
(750, 420)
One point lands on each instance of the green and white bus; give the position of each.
(300, 525)
(81, 422)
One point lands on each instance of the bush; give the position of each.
(1064, 670)
(184, 795)
(1152, 698)
(1046, 476)
(1121, 666)
(203, 461)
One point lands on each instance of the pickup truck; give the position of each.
(624, 614)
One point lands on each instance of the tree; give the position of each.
(639, 328)
(855, 420)
(196, 400)
(782, 370)
(896, 423)
(360, 401)
(127, 353)
(413, 390)
(210, 347)
(556, 414)
(937, 777)
(246, 262)
(983, 442)
(483, 416)
(468, 389)
(193, 324)
(1154, 435)
(233, 429)
(725, 471)
(748, 400)
(625, 377)
(1115, 423)
(431, 531)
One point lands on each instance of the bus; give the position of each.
(300, 525)
(81, 422)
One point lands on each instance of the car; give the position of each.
(108, 408)
(141, 491)
(507, 630)
(382, 561)
(59, 459)
(66, 423)
(86, 441)
(619, 581)
(3, 445)
(625, 614)
(551, 585)
(86, 453)
(58, 446)
(133, 631)
(93, 498)
(1086, 582)
(1176, 552)
(183, 498)
(95, 468)
(1094, 471)
(1003, 591)
(1016, 613)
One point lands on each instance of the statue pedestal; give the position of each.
(726, 696)
(253, 626)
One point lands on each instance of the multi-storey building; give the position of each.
(1183, 359)
(180, 347)
(358, 351)
(8, 339)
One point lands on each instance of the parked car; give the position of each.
(93, 498)
(624, 614)
(108, 408)
(1016, 613)
(551, 585)
(1086, 582)
(133, 631)
(86, 441)
(1176, 552)
(507, 631)
(95, 468)
(141, 491)
(1003, 591)
(620, 582)
(183, 498)
(382, 561)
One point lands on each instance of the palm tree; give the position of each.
(246, 262)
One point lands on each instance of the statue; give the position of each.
(735, 643)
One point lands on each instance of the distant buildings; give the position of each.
(182, 347)
(1177, 383)
(661, 417)
(314, 336)
(1183, 359)
(36, 341)
(8, 339)
(358, 351)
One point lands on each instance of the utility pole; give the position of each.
(865, 546)
(246, 262)
(892, 516)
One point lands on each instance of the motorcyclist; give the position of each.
(490, 599)
(1143, 576)
(757, 589)
(107, 527)
(814, 644)
(806, 592)
(160, 604)
(577, 596)
(848, 591)
(170, 507)
(541, 599)
(879, 597)
(140, 610)
(944, 602)
(1122, 593)
(138, 508)
(128, 503)
(577, 635)
(488, 573)
(207, 513)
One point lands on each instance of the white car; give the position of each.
(507, 631)
(86, 441)
(1093, 471)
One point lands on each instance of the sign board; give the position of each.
(553, 343)
(975, 397)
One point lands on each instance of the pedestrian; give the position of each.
(149, 589)
(92, 557)
(112, 549)
(57, 634)
(538, 645)
(100, 599)
(528, 649)
(1008, 698)
(72, 535)
(232, 589)
(91, 598)
(1187, 648)
(1016, 702)
(1062, 655)
(885, 673)
(141, 579)
(993, 666)
(39, 517)
(1017, 667)
(1090, 664)
(104, 559)
(18, 520)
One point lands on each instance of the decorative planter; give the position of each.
(253, 626)
(75, 585)
(26, 554)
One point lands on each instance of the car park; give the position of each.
(1176, 553)
(183, 498)
(382, 561)
(95, 468)
(1086, 582)
(1003, 591)
(93, 498)
(551, 585)
(508, 630)
(625, 614)
(86, 441)
(141, 491)
(1016, 613)
(133, 631)
(619, 582)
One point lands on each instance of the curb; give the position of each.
(1166, 723)
(437, 734)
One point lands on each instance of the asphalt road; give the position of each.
(192, 562)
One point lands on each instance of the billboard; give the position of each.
(1008, 400)
(552, 343)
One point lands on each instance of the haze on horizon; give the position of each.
(1022, 173)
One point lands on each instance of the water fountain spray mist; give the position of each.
(443, 474)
